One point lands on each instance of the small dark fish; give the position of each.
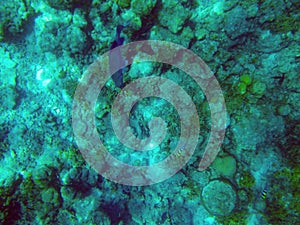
(116, 59)
(119, 40)
(279, 78)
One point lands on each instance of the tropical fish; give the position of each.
(264, 193)
(116, 59)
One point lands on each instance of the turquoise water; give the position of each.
(141, 147)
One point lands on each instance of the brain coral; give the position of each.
(219, 198)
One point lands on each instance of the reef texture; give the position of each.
(252, 48)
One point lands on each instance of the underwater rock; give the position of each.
(141, 70)
(60, 4)
(245, 179)
(43, 175)
(258, 89)
(147, 202)
(50, 33)
(8, 96)
(284, 110)
(78, 18)
(77, 40)
(50, 196)
(62, 32)
(206, 49)
(236, 23)
(219, 198)
(7, 62)
(252, 10)
(14, 15)
(9, 182)
(123, 3)
(87, 206)
(67, 4)
(160, 33)
(200, 33)
(99, 217)
(173, 8)
(248, 134)
(68, 195)
(270, 43)
(135, 21)
(201, 216)
(142, 7)
(80, 179)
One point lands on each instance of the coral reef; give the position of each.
(252, 48)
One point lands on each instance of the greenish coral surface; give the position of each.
(246, 180)
(225, 166)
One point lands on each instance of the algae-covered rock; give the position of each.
(142, 7)
(60, 4)
(200, 33)
(67, 4)
(225, 166)
(80, 179)
(258, 89)
(206, 49)
(50, 195)
(13, 16)
(123, 3)
(219, 198)
(7, 63)
(77, 44)
(246, 180)
(9, 180)
(284, 110)
(173, 8)
(8, 96)
(43, 175)
(58, 31)
(161, 33)
(51, 33)
(235, 23)
(79, 18)
(135, 20)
